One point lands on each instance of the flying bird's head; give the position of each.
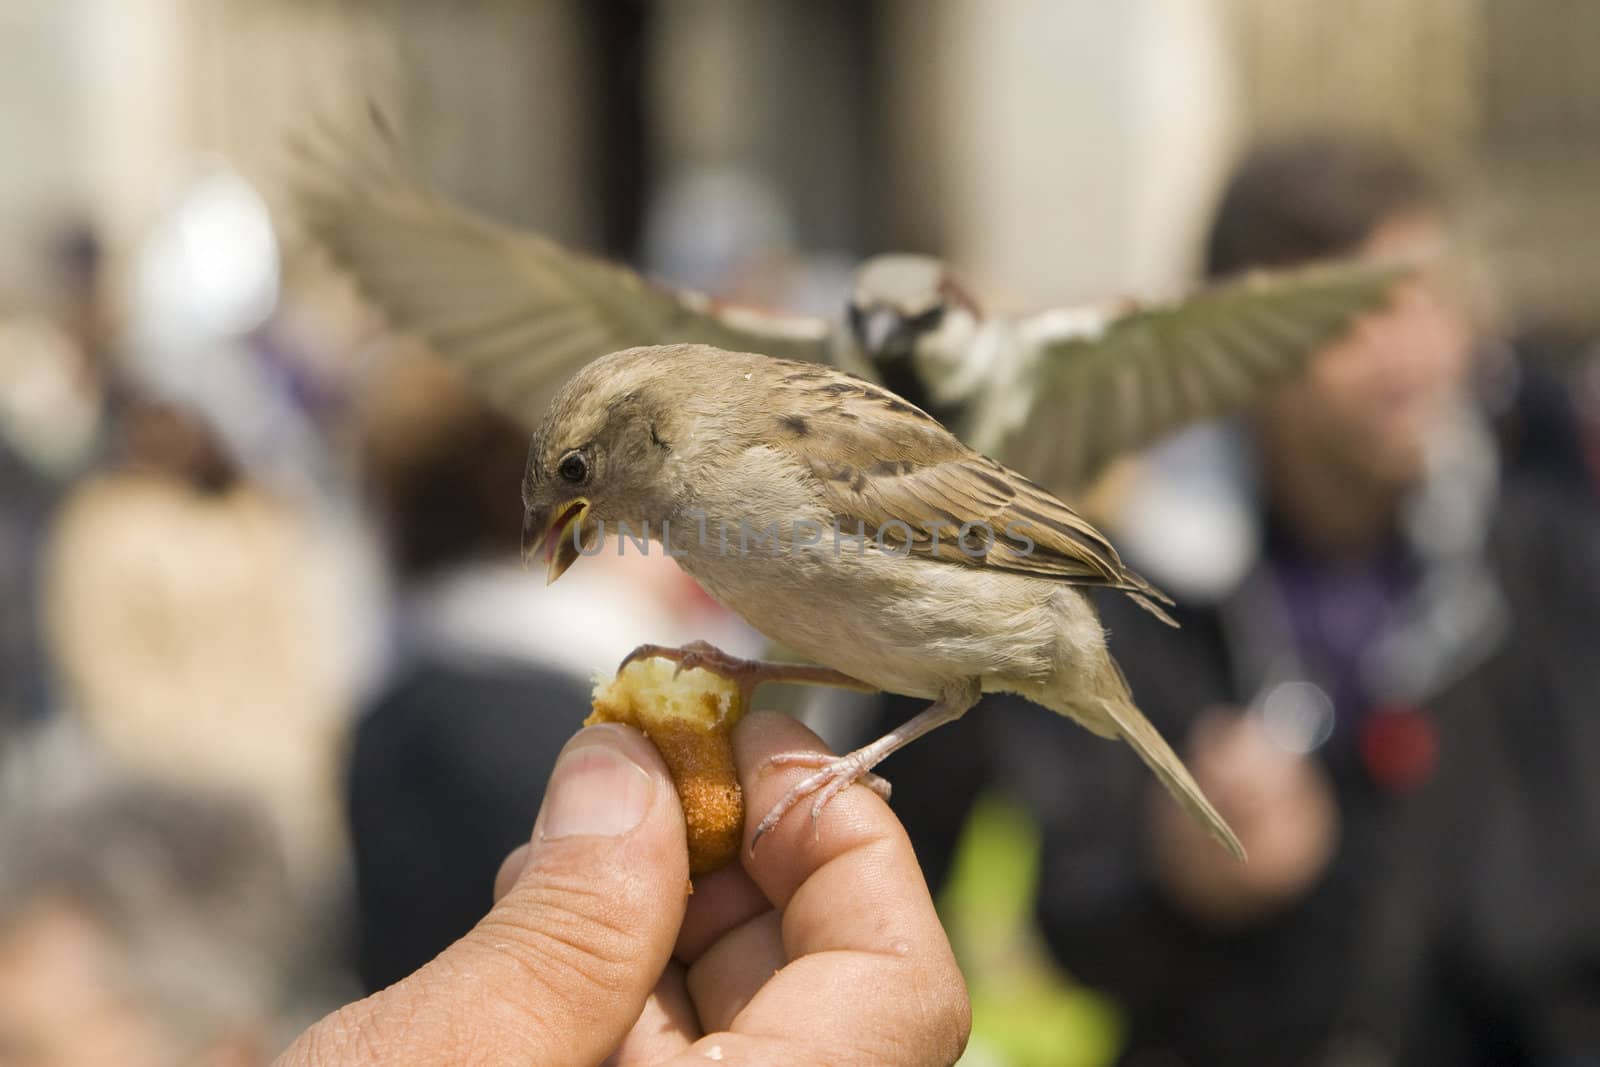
(600, 458)
(910, 320)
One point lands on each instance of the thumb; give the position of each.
(590, 922)
(559, 970)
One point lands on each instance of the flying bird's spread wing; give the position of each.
(515, 312)
(1099, 382)
(890, 467)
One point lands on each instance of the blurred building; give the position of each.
(1053, 149)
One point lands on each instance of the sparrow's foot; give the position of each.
(746, 673)
(837, 774)
(875, 782)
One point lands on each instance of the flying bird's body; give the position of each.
(809, 501)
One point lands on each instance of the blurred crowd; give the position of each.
(276, 698)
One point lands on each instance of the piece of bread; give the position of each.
(690, 717)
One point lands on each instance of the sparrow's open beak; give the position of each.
(884, 334)
(555, 536)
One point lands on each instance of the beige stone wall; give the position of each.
(42, 181)
(1501, 95)
(106, 103)
(1074, 146)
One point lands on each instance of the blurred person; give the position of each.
(51, 405)
(1377, 702)
(35, 367)
(1389, 695)
(190, 623)
(490, 669)
(142, 924)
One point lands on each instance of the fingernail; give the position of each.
(595, 790)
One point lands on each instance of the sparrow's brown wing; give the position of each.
(885, 466)
(515, 312)
(1103, 381)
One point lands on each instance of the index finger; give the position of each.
(870, 976)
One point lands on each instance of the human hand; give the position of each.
(1281, 805)
(818, 948)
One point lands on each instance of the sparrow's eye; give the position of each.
(573, 468)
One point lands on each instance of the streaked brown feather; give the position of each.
(878, 463)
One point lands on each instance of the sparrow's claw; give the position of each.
(746, 673)
(828, 791)
(837, 774)
(694, 654)
(875, 782)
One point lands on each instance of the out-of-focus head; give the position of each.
(176, 442)
(142, 926)
(440, 464)
(1369, 401)
(907, 305)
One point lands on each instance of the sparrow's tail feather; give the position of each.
(1158, 755)
(1128, 722)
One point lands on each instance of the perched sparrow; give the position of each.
(1055, 394)
(847, 524)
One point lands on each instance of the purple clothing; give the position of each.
(1335, 611)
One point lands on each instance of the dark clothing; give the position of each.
(446, 775)
(1459, 921)
(27, 503)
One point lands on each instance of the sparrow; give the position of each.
(848, 525)
(1056, 394)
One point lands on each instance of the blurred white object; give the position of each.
(1188, 520)
(613, 605)
(1297, 716)
(205, 280)
(210, 267)
(1079, 144)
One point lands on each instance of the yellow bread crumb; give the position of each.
(689, 717)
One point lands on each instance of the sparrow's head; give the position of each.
(598, 459)
(901, 303)
(910, 319)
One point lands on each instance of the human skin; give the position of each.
(60, 1003)
(821, 947)
(1282, 806)
(1347, 440)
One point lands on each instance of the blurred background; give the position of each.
(264, 645)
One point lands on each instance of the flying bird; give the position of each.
(884, 548)
(1056, 394)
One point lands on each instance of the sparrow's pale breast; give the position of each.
(905, 624)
